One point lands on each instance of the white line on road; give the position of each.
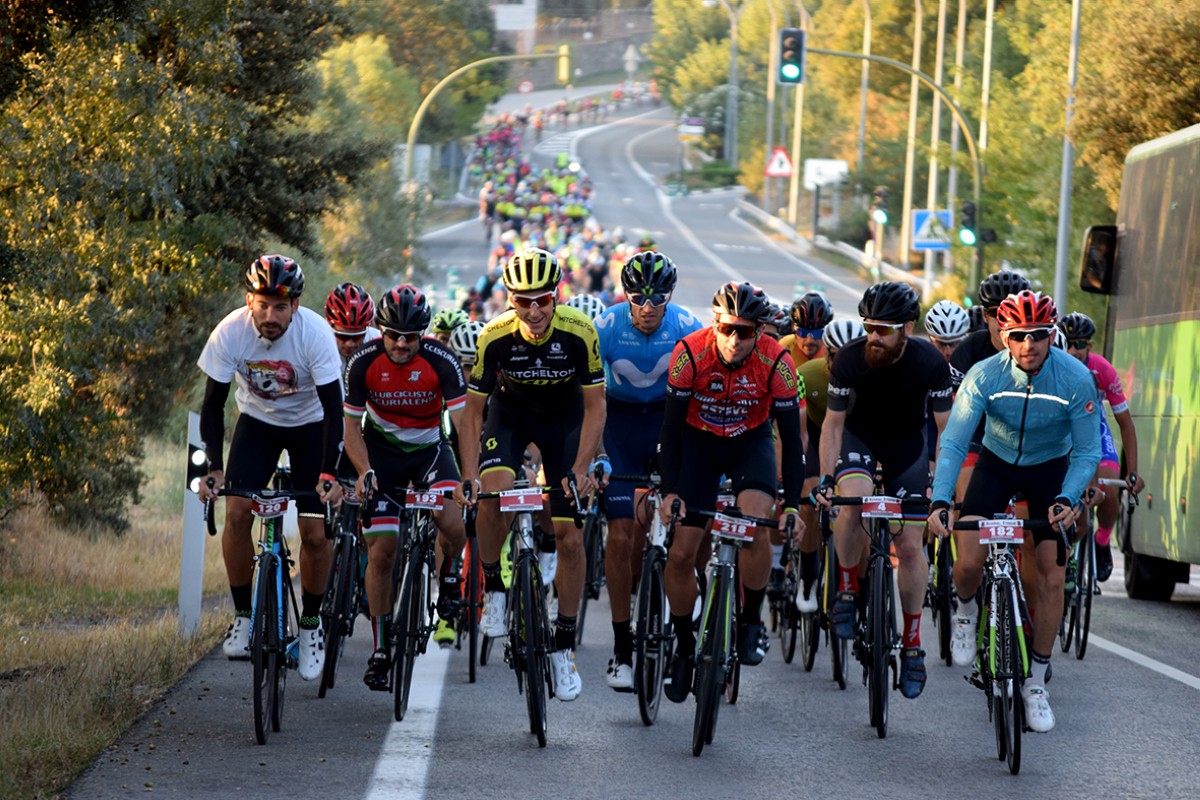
(1145, 661)
(403, 766)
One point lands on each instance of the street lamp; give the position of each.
(734, 11)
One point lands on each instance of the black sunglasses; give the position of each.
(1036, 335)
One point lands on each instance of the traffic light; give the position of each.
(791, 56)
(563, 71)
(966, 224)
(197, 467)
(879, 205)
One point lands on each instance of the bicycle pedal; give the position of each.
(1096, 589)
(975, 681)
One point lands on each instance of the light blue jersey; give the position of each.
(635, 365)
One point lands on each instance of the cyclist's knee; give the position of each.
(312, 532)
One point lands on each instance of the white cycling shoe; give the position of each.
(962, 641)
(236, 646)
(564, 676)
(492, 622)
(312, 653)
(1038, 715)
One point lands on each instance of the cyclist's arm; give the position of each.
(595, 412)
(1085, 443)
(831, 439)
(469, 431)
(330, 395)
(1129, 443)
(790, 433)
(212, 422)
(670, 446)
(355, 445)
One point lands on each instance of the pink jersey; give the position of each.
(1108, 382)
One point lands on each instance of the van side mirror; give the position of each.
(1099, 261)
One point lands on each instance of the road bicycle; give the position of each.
(343, 599)
(813, 624)
(595, 534)
(467, 624)
(275, 615)
(940, 595)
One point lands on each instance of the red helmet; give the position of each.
(349, 309)
(1027, 309)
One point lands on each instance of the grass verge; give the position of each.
(88, 632)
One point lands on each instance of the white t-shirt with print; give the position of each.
(276, 380)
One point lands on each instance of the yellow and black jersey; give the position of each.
(543, 376)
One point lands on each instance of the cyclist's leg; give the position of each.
(559, 442)
(499, 461)
(253, 454)
(1106, 512)
(913, 574)
(380, 538)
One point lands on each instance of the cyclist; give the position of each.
(396, 390)
(349, 310)
(879, 390)
(464, 341)
(445, 321)
(636, 341)
(539, 362)
(1079, 329)
(591, 306)
(1041, 439)
(285, 362)
(815, 377)
(726, 385)
(810, 314)
(776, 323)
(947, 324)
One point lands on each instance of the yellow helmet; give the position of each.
(532, 270)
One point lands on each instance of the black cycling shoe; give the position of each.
(750, 650)
(1104, 562)
(775, 583)
(682, 667)
(379, 667)
(449, 597)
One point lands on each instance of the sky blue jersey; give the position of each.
(635, 365)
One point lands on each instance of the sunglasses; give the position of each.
(532, 300)
(741, 331)
(350, 337)
(882, 328)
(407, 336)
(1036, 335)
(809, 333)
(1079, 344)
(947, 342)
(656, 299)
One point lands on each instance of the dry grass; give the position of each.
(88, 632)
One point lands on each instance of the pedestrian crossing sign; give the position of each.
(931, 229)
(779, 165)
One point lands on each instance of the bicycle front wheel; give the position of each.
(337, 606)
(407, 621)
(652, 641)
(1008, 706)
(264, 648)
(879, 627)
(943, 598)
(532, 641)
(839, 648)
(1085, 591)
(593, 543)
(710, 666)
(472, 606)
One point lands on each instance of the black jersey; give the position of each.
(975, 348)
(885, 406)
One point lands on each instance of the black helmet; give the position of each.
(404, 309)
(997, 286)
(811, 312)
(1077, 326)
(276, 276)
(978, 321)
(891, 301)
(743, 300)
(649, 272)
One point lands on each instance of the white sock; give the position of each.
(968, 608)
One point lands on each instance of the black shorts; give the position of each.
(903, 480)
(507, 432)
(747, 460)
(431, 467)
(994, 483)
(254, 454)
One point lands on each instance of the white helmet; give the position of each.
(464, 340)
(947, 320)
(1060, 338)
(588, 304)
(841, 331)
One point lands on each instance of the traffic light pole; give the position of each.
(442, 84)
(959, 116)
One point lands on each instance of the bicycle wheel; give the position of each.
(530, 648)
(839, 648)
(264, 649)
(472, 606)
(734, 682)
(879, 611)
(1008, 705)
(652, 641)
(810, 624)
(287, 657)
(594, 549)
(407, 622)
(1085, 588)
(710, 667)
(337, 606)
(788, 618)
(943, 598)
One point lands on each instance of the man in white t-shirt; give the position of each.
(289, 395)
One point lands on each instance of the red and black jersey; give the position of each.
(403, 403)
(728, 401)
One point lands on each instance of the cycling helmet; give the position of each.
(532, 270)
(978, 320)
(947, 320)
(448, 319)
(276, 276)
(891, 301)
(811, 312)
(649, 272)
(743, 300)
(589, 304)
(841, 331)
(1077, 325)
(349, 309)
(775, 315)
(464, 340)
(999, 285)
(1027, 309)
(1060, 339)
(405, 308)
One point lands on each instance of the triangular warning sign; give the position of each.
(932, 230)
(779, 165)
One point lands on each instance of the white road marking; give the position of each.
(403, 766)
(1145, 661)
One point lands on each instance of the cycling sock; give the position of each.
(564, 632)
(808, 567)
(752, 605)
(1038, 666)
(379, 631)
(968, 608)
(492, 582)
(622, 642)
(309, 623)
(1103, 535)
(848, 582)
(776, 555)
(243, 602)
(685, 637)
(310, 606)
(912, 630)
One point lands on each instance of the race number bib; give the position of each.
(521, 500)
(732, 528)
(881, 507)
(1001, 531)
(269, 508)
(430, 501)
(724, 501)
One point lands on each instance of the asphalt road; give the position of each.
(1126, 713)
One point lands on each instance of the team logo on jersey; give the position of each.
(716, 385)
(555, 347)
(1089, 406)
(490, 444)
(789, 379)
(682, 361)
(414, 376)
(271, 380)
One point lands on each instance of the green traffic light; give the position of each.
(790, 72)
(967, 237)
(880, 216)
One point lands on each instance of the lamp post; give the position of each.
(798, 130)
(910, 150)
(952, 178)
(731, 98)
(1068, 164)
(866, 74)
